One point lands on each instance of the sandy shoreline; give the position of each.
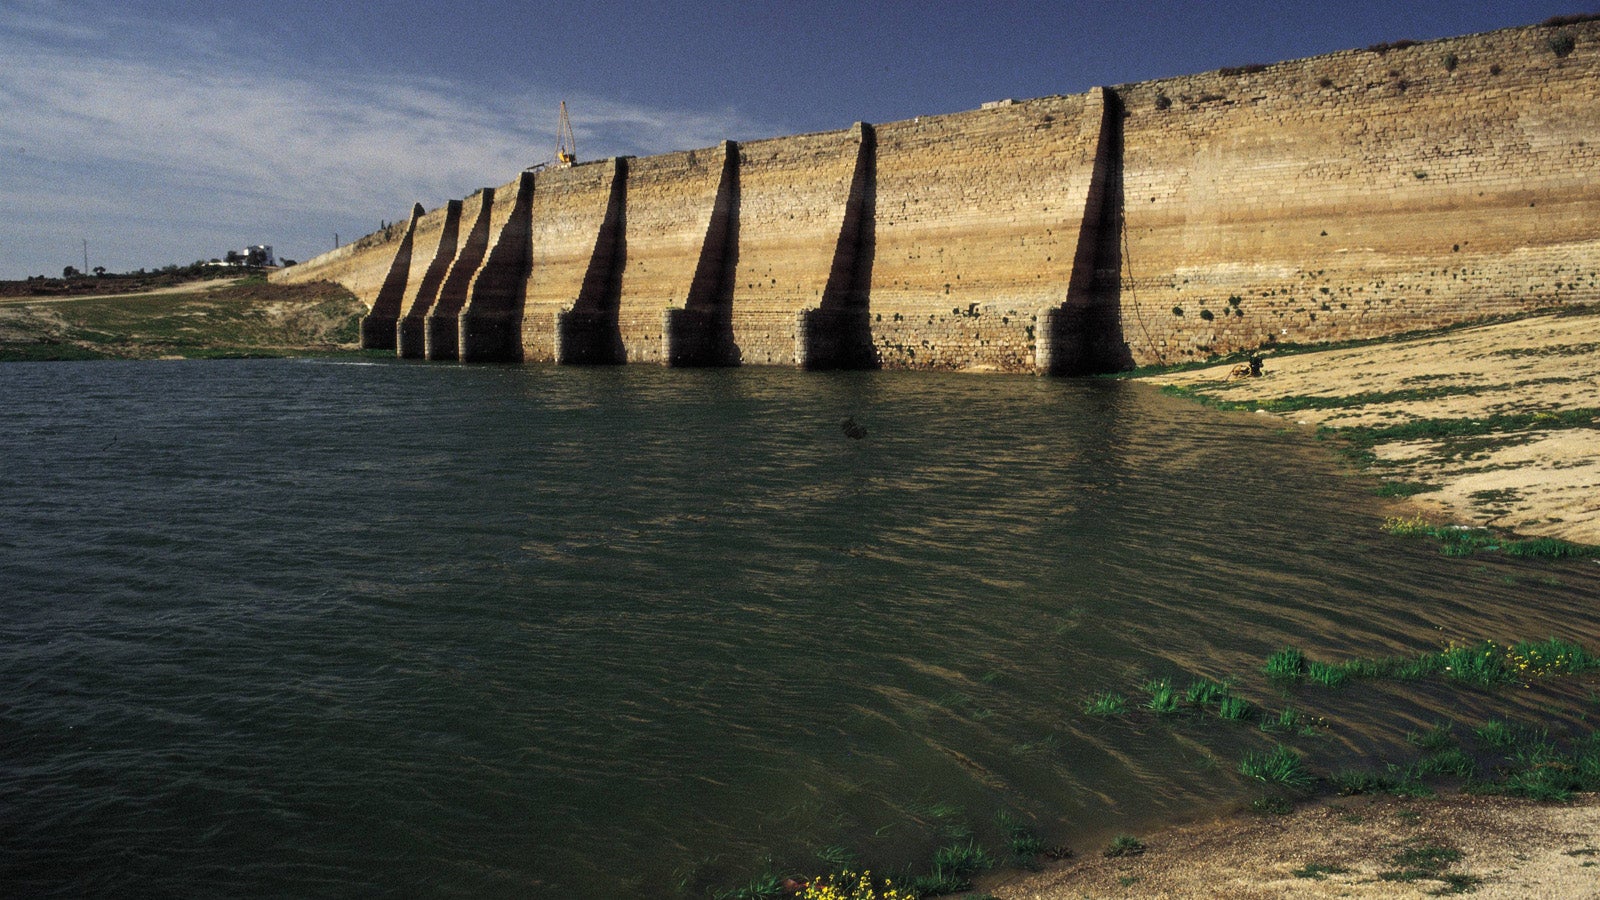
(1344, 847)
(1529, 471)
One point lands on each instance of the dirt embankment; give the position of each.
(245, 317)
(108, 285)
(1492, 425)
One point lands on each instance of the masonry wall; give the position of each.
(478, 229)
(1361, 193)
(792, 195)
(439, 236)
(569, 206)
(425, 249)
(1351, 195)
(360, 266)
(977, 224)
(669, 205)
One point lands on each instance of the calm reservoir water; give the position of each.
(347, 629)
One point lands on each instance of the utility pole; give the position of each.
(336, 240)
(85, 256)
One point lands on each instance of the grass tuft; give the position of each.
(1106, 704)
(1271, 806)
(1163, 698)
(1404, 489)
(1024, 844)
(1440, 737)
(1289, 721)
(837, 856)
(1281, 766)
(1125, 845)
(1206, 693)
(953, 868)
(1287, 665)
(1497, 733)
(1453, 763)
(1235, 709)
(1326, 674)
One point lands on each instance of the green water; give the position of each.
(332, 629)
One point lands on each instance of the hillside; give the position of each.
(245, 317)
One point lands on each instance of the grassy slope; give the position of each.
(248, 318)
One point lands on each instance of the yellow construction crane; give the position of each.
(566, 144)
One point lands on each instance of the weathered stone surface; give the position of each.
(1345, 196)
(1362, 193)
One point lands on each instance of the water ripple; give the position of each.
(321, 629)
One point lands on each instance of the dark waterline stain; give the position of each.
(319, 628)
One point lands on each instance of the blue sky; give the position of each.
(170, 131)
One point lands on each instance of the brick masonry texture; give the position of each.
(1351, 195)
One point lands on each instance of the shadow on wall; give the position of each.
(837, 334)
(701, 333)
(589, 333)
(441, 327)
(1084, 336)
(409, 336)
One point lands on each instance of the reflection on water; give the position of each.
(318, 628)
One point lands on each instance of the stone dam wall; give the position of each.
(1353, 195)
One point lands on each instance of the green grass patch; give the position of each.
(1271, 806)
(1404, 489)
(1288, 721)
(1439, 429)
(1485, 664)
(248, 318)
(1440, 737)
(1106, 704)
(1163, 698)
(1206, 693)
(1497, 733)
(953, 868)
(1279, 766)
(1303, 402)
(1326, 674)
(837, 856)
(1235, 709)
(1398, 781)
(1023, 843)
(1459, 541)
(1286, 665)
(1539, 770)
(1451, 763)
(765, 886)
(48, 351)
(1125, 845)
(1426, 861)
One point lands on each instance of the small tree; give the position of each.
(99, 271)
(69, 272)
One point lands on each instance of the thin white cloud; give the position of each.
(49, 20)
(153, 147)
